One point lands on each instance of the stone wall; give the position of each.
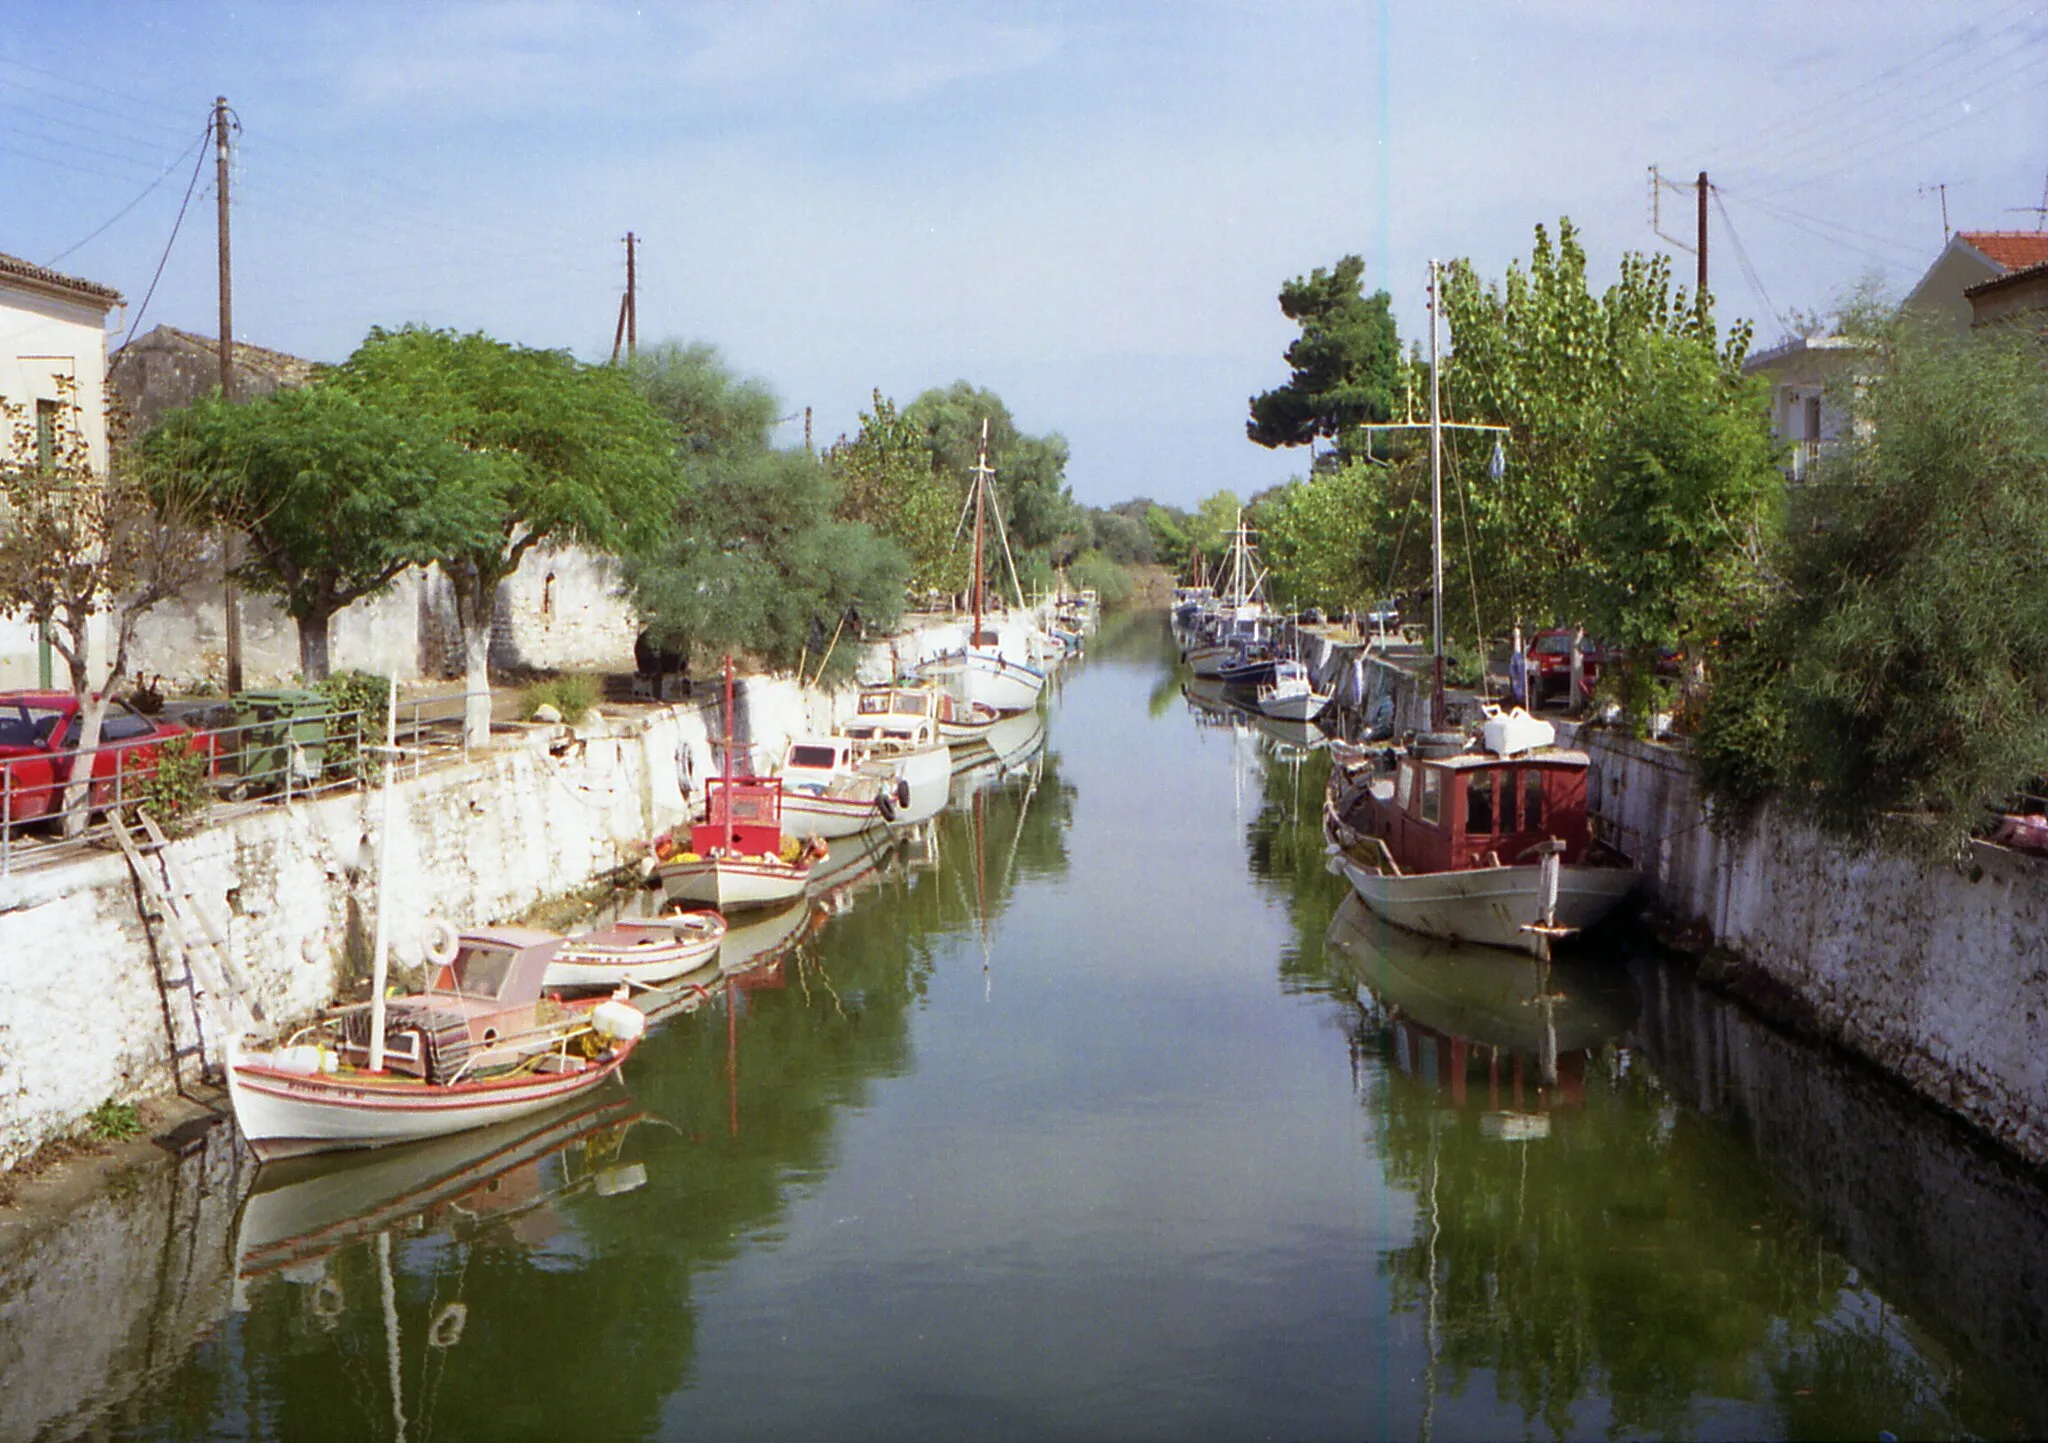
(83, 1017)
(1938, 973)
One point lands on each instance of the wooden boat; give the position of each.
(826, 793)
(1488, 847)
(481, 1045)
(892, 749)
(991, 669)
(1290, 695)
(637, 951)
(738, 856)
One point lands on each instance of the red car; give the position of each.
(39, 732)
(1550, 664)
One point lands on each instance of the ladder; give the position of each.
(191, 956)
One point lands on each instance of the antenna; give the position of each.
(1940, 188)
(2038, 212)
(1658, 185)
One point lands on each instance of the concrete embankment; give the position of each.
(1937, 973)
(94, 1003)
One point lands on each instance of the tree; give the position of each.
(1345, 362)
(336, 497)
(1211, 528)
(885, 478)
(1901, 664)
(1556, 364)
(1169, 528)
(1344, 539)
(713, 410)
(1031, 482)
(571, 452)
(78, 545)
(755, 560)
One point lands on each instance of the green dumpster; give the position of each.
(283, 733)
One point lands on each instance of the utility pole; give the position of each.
(1436, 511)
(1702, 288)
(230, 594)
(628, 329)
(807, 429)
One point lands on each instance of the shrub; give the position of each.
(174, 790)
(1102, 573)
(360, 700)
(114, 1121)
(572, 696)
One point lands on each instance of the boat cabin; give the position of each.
(813, 764)
(898, 716)
(1447, 814)
(488, 992)
(743, 816)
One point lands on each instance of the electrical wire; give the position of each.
(143, 309)
(146, 191)
(1742, 259)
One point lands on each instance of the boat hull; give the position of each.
(983, 675)
(809, 814)
(1487, 905)
(1300, 706)
(289, 1114)
(591, 967)
(733, 883)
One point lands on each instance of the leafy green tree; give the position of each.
(1543, 355)
(713, 410)
(336, 497)
(1345, 538)
(1345, 362)
(571, 453)
(1903, 656)
(1031, 480)
(755, 560)
(886, 479)
(1210, 529)
(1169, 528)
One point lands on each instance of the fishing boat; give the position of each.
(827, 793)
(480, 1045)
(738, 856)
(899, 733)
(1291, 694)
(1228, 636)
(637, 952)
(994, 666)
(1491, 844)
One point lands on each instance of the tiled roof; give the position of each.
(2015, 277)
(43, 275)
(2013, 249)
(288, 369)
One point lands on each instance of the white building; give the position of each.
(53, 354)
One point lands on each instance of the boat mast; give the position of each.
(981, 475)
(731, 842)
(1436, 514)
(380, 972)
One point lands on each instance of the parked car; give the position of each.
(1550, 664)
(39, 735)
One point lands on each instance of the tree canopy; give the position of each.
(1031, 471)
(886, 479)
(1344, 365)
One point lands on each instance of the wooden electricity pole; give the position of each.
(1702, 289)
(230, 593)
(628, 329)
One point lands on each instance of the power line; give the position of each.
(146, 191)
(1742, 259)
(191, 186)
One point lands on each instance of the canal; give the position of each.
(1094, 1111)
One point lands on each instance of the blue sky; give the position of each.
(1088, 208)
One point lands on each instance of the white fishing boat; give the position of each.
(827, 793)
(1291, 695)
(479, 1045)
(637, 952)
(1000, 668)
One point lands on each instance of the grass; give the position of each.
(572, 696)
(114, 1121)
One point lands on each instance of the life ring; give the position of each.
(440, 941)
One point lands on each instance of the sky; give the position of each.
(1087, 208)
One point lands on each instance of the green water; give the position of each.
(1094, 1115)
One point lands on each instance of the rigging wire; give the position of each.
(139, 199)
(191, 186)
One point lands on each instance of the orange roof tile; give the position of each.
(2010, 248)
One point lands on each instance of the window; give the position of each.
(1532, 799)
(46, 433)
(813, 756)
(1432, 796)
(1404, 787)
(1507, 803)
(482, 971)
(1478, 802)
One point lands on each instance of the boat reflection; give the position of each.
(302, 1210)
(1480, 1026)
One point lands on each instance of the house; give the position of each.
(169, 368)
(1980, 274)
(53, 355)
(1971, 258)
(2020, 295)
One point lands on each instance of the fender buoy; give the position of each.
(903, 791)
(886, 805)
(441, 941)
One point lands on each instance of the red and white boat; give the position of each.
(637, 952)
(738, 855)
(481, 1045)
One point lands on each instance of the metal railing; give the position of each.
(273, 761)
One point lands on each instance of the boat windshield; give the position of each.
(874, 703)
(482, 971)
(909, 703)
(813, 756)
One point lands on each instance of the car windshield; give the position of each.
(22, 725)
